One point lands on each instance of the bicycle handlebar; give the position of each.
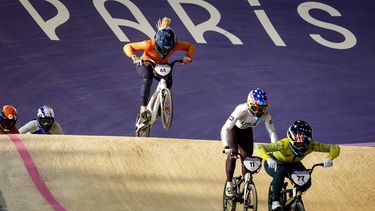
(315, 165)
(169, 64)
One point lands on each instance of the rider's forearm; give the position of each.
(185, 46)
(332, 149)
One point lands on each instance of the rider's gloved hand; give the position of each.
(136, 60)
(327, 162)
(272, 163)
(186, 60)
(227, 150)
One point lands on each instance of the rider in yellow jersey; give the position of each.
(285, 155)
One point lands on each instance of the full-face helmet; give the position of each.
(299, 137)
(45, 117)
(8, 117)
(165, 40)
(257, 102)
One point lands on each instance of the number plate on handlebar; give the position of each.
(300, 177)
(162, 70)
(252, 163)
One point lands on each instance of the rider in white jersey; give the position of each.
(44, 124)
(237, 133)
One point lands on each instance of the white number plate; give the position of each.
(162, 70)
(252, 163)
(300, 177)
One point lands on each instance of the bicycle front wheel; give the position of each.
(270, 198)
(299, 206)
(250, 197)
(166, 108)
(229, 204)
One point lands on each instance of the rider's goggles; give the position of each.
(302, 142)
(46, 122)
(257, 109)
(301, 145)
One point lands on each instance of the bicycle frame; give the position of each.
(295, 196)
(155, 100)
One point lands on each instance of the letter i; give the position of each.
(266, 23)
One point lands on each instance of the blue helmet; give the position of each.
(299, 137)
(165, 40)
(257, 102)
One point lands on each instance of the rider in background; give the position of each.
(158, 49)
(44, 123)
(284, 156)
(237, 132)
(8, 119)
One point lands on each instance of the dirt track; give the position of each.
(123, 173)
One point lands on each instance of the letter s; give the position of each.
(349, 39)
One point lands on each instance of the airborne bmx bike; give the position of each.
(160, 102)
(246, 194)
(291, 198)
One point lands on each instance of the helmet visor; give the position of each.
(163, 51)
(46, 122)
(8, 123)
(302, 141)
(258, 109)
(302, 145)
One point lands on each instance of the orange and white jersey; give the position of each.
(149, 50)
(242, 118)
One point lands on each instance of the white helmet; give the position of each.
(45, 117)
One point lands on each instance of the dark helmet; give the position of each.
(8, 117)
(165, 40)
(299, 137)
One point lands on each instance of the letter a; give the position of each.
(49, 26)
(143, 25)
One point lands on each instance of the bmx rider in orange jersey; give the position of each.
(158, 49)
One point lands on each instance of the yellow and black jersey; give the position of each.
(282, 152)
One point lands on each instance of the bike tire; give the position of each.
(299, 207)
(144, 132)
(229, 204)
(250, 197)
(166, 108)
(270, 198)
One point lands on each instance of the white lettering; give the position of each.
(198, 30)
(267, 25)
(114, 23)
(49, 26)
(349, 39)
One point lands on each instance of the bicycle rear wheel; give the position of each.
(166, 108)
(229, 204)
(250, 197)
(143, 132)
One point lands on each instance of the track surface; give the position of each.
(95, 90)
(124, 173)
